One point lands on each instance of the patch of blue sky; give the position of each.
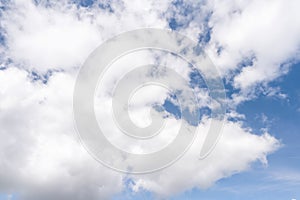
(181, 13)
(282, 118)
(42, 77)
(282, 111)
(44, 3)
(8, 197)
(104, 5)
(205, 36)
(84, 3)
(3, 197)
(193, 118)
(2, 37)
(171, 106)
(182, 9)
(173, 23)
(246, 61)
(2, 31)
(197, 80)
(247, 186)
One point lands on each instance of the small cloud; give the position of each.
(235, 115)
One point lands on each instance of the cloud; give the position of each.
(43, 38)
(234, 153)
(267, 33)
(251, 42)
(62, 35)
(41, 158)
(286, 175)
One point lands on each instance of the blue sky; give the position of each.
(43, 44)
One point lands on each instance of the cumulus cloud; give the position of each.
(251, 42)
(41, 157)
(42, 38)
(264, 33)
(234, 153)
(61, 35)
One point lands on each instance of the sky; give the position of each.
(255, 46)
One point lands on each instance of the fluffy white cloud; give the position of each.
(251, 42)
(264, 33)
(61, 35)
(40, 156)
(43, 38)
(234, 153)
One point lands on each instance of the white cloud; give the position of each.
(286, 175)
(61, 36)
(40, 156)
(234, 115)
(269, 31)
(234, 153)
(43, 38)
(55, 165)
(251, 42)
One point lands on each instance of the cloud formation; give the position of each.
(43, 47)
